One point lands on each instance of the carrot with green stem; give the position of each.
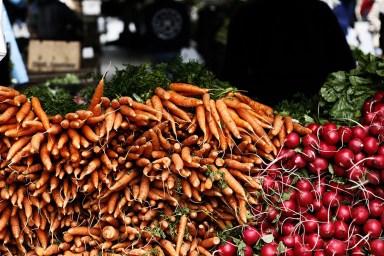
(99, 91)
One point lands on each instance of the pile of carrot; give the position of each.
(130, 178)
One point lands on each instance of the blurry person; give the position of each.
(53, 20)
(166, 29)
(345, 13)
(275, 54)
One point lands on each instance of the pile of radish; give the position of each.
(323, 194)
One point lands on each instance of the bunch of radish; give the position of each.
(323, 194)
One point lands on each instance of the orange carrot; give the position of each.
(45, 157)
(121, 183)
(89, 133)
(162, 93)
(227, 119)
(188, 88)
(17, 146)
(232, 182)
(36, 105)
(288, 122)
(176, 110)
(180, 234)
(300, 129)
(184, 101)
(200, 117)
(8, 113)
(96, 97)
(23, 111)
(74, 135)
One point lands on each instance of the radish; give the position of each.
(310, 140)
(373, 228)
(314, 241)
(301, 249)
(304, 198)
(343, 212)
(359, 132)
(378, 96)
(370, 145)
(310, 223)
(304, 185)
(251, 235)
(292, 140)
(248, 251)
(355, 173)
(269, 249)
(368, 106)
(309, 154)
(359, 214)
(356, 145)
(318, 166)
(326, 150)
(227, 249)
(331, 137)
(335, 247)
(298, 161)
(288, 208)
(288, 241)
(373, 177)
(377, 247)
(345, 134)
(331, 199)
(344, 158)
(376, 208)
(378, 161)
(327, 229)
(314, 127)
(287, 228)
(341, 230)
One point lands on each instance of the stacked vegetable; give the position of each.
(323, 194)
(127, 178)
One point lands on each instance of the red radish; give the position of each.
(304, 185)
(292, 140)
(287, 228)
(370, 145)
(251, 235)
(373, 177)
(335, 247)
(359, 214)
(345, 134)
(368, 106)
(304, 198)
(269, 249)
(359, 132)
(288, 241)
(248, 251)
(380, 150)
(370, 117)
(269, 183)
(355, 173)
(319, 253)
(309, 154)
(344, 158)
(356, 251)
(373, 228)
(314, 127)
(317, 203)
(378, 107)
(288, 208)
(360, 158)
(328, 127)
(310, 140)
(378, 161)
(377, 247)
(314, 241)
(331, 199)
(331, 137)
(338, 171)
(272, 213)
(375, 127)
(227, 249)
(310, 223)
(356, 145)
(319, 165)
(298, 161)
(378, 96)
(326, 150)
(289, 252)
(327, 229)
(376, 207)
(343, 212)
(341, 230)
(302, 249)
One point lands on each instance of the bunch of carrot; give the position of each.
(130, 178)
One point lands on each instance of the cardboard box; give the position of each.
(53, 56)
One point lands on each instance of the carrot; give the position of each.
(125, 100)
(235, 103)
(110, 233)
(45, 157)
(201, 120)
(23, 111)
(288, 122)
(96, 97)
(127, 111)
(278, 122)
(300, 129)
(121, 183)
(210, 242)
(282, 134)
(232, 163)
(118, 121)
(91, 167)
(36, 140)
(181, 231)
(15, 226)
(144, 188)
(109, 119)
(17, 145)
(55, 129)
(174, 109)
(244, 114)
(84, 231)
(157, 105)
(255, 105)
(74, 135)
(184, 101)
(83, 114)
(36, 105)
(232, 182)
(52, 249)
(226, 118)
(239, 121)
(188, 88)
(89, 133)
(8, 114)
